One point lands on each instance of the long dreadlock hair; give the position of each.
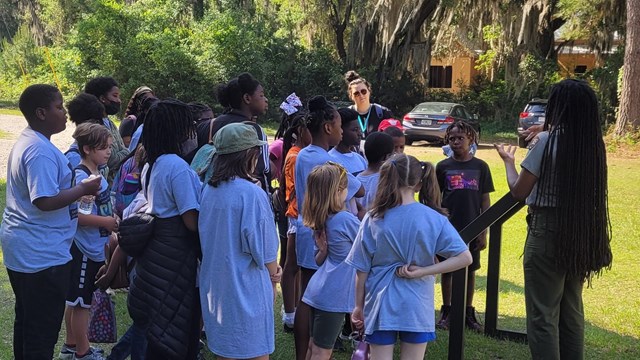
(168, 124)
(198, 108)
(574, 167)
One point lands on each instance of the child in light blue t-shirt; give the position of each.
(239, 245)
(351, 136)
(39, 222)
(323, 122)
(94, 144)
(330, 292)
(394, 256)
(377, 147)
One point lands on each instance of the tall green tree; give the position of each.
(629, 112)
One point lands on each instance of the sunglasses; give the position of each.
(362, 92)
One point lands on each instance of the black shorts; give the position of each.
(325, 327)
(83, 278)
(475, 265)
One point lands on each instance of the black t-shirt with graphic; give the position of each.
(462, 185)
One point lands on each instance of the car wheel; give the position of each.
(522, 142)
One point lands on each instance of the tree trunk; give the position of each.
(340, 25)
(394, 38)
(629, 112)
(198, 9)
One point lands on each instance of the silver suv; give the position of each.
(533, 114)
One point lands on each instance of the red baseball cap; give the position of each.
(388, 123)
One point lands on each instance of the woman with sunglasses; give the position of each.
(369, 114)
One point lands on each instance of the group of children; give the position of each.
(357, 242)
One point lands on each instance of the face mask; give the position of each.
(112, 108)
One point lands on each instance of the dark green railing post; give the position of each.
(493, 218)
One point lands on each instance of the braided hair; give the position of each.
(197, 109)
(465, 128)
(574, 167)
(168, 123)
(320, 112)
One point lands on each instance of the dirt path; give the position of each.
(11, 126)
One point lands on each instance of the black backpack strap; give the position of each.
(77, 151)
(379, 111)
(83, 168)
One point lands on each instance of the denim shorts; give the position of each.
(385, 337)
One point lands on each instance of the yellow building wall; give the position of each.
(462, 70)
(568, 62)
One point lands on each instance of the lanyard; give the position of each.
(363, 126)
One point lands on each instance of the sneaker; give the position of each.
(287, 328)
(471, 321)
(443, 323)
(201, 351)
(67, 352)
(91, 355)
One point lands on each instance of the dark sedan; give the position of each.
(429, 121)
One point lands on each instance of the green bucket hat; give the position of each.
(236, 137)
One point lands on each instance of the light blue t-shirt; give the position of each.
(73, 155)
(238, 237)
(308, 158)
(332, 287)
(90, 239)
(353, 162)
(174, 188)
(370, 183)
(135, 138)
(408, 234)
(533, 163)
(34, 240)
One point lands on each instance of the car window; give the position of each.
(466, 112)
(457, 112)
(433, 108)
(537, 108)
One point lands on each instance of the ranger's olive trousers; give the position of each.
(555, 316)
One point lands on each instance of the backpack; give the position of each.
(126, 185)
(377, 107)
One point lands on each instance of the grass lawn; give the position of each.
(611, 305)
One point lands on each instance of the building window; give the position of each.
(580, 69)
(440, 77)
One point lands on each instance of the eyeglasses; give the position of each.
(362, 92)
(343, 171)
